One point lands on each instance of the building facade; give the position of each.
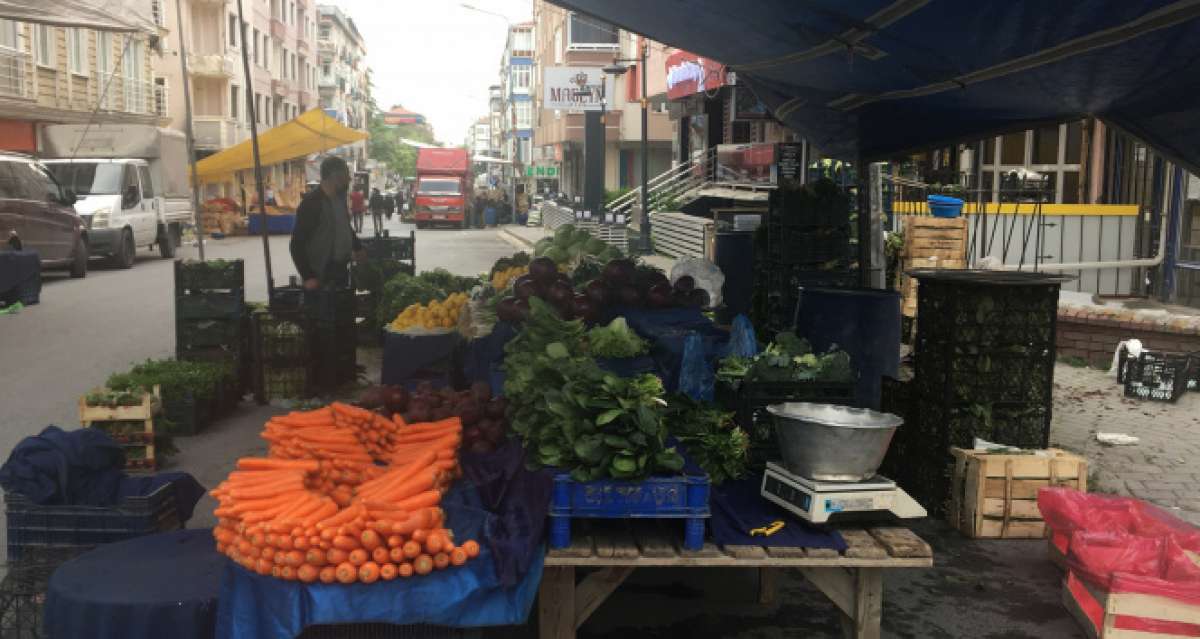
(344, 78)
(564, 38)
(280, 38)
(495, 114)
(516, 91)
(56, 75)
(479, 137)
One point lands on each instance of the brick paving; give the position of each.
(1162, 467)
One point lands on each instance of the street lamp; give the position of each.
(617, 68)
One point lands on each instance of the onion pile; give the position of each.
(621, 283)
(484, 420)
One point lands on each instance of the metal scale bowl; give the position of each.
(830, 455)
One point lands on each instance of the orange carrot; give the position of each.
(260, 463)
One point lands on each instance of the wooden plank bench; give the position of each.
(852, 580)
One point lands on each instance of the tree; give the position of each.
(386, 146)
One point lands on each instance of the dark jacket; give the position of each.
(312, 238)
(377, 202)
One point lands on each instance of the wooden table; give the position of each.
(852, 580)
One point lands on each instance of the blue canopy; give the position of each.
(873, 78)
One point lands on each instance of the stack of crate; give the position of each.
(386, 257)
(210, 311)
(281, 364)
(930, 242)
(333, 337)
(130, 426)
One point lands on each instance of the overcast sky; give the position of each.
(434, 56)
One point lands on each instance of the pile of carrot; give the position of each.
(324, 507)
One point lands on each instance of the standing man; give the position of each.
(358, 206)
(376, 204)
(323, 242)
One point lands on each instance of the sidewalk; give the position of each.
(1161, 468)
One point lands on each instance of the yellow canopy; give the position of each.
(311, 132)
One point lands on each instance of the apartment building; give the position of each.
(344, 79)
(564, 38)
(479, 137)
(495, 113)
(280, 38)
(55, 75)
(516, 85)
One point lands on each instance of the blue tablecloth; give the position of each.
(20, 277)
(257, 607)
(157, 586)
(738, 506)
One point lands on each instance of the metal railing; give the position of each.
(668, 187)
(14, 80)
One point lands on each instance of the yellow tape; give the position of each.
(1026, 208)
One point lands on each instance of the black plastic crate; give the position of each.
(749, 402)
(330, 307)
(207, 333)
(777, 291)
(229, 306)
(210, 275)
(282, 383)
(1157, 376)
(187, 413)
(816, 246)
(391, 248)
(33, 527)
(287, 298)
(279, 338)
(23, 591)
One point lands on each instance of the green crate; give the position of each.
(210, 306)
(192, 275)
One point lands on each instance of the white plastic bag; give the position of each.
(1131, 346)
(708, 276)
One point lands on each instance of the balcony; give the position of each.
(304, 97)
(278, 29)
(302, 47)
(325, 46)
(14, 81)
(212, 65)
(280, 87)
(214, 132)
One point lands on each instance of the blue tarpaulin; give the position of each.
(874, 78)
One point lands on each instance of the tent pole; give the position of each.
(863, 174)
(191, 138)
(258, 176)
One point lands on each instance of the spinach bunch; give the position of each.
(571, 414)
(709, 435)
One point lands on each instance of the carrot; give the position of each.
(437, 427)
(380, 555)
(433, 545)
(260, 463)
(423, 565)
(347, 573)
(420, 535)
(458, 556)
(422, 518)
(345, 542)
(287, 572)
(368, 572)
(335, 556)
(412, 549)
(370, 540)
(396, 555)
(441, 561)
(419, 483)
(421, 500)
(307, 573)
(283, 489)
(471, 547)
(395, 541)
(404, 570)
(315, 557)
(327, 509)
(344, 516)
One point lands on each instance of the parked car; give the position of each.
(36, 213)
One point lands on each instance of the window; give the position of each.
(43, 45)
(147, 183)
(254, 46)
(77, 51)
(1074, 144)
(266, 57)
(558, 46)
(1070, 189)
(521, 76)
(156, 10)
(1045, 145)
(325, 31)
(326, 69)
(524, 115)
(522, 42)
(1012, 149)
(258, 107)
(136, 98)
(234, 30)
(8, 34)
(160, 97)
(130, 180)
(584, 32)
(233, 102)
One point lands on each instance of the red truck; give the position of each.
(443, 189)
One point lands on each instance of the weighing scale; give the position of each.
(816, 501)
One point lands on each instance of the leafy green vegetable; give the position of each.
(615, 340)
(788, 359)
(709, 436)
(571, 414)
(448, 282)
(402, 291)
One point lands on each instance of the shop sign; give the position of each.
(575, 88)
(688, 74)
(541, 171)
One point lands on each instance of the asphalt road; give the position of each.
(84, 330)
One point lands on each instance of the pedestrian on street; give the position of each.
(376, 204)
(358, 206)
(323, 243)
(389, 206)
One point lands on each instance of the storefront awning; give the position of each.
(311, 132)
(101, 15)
(881, 77)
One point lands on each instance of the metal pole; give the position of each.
(645, 154)
(191, 139)
(258, 177)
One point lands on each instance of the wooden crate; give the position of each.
(1114, 615)
(930, 242)
(98, 416)
(995, 495)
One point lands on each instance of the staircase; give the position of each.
(670, 190)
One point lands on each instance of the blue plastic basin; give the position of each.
(944, 206)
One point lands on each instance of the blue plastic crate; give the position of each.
(276, 224)
(54, 526)
(674, 497)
